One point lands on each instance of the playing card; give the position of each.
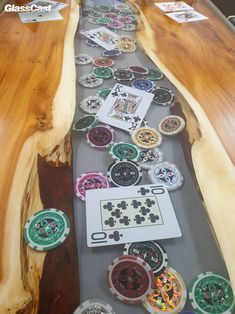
(125, 107)
(186, 16)
(54, 4)
(103, 37)
(173, 6)
(129, 214)
(33, 17)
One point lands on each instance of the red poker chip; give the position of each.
(138, 70)
(88, 181)
(101, 136)
(103, 62)
(130, 279)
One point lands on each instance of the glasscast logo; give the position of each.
(27, 8)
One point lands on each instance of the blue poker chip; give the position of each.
(112, 53)
(91, 43)
(143, 84)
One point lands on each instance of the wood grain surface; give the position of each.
(198, 58)
(37, 104)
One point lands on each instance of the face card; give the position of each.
(129, 214)
(186, 16)
(173, 6)
(33, 17)
(125, 107)
(103, 37)
(54, 4)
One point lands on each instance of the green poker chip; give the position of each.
(85, 123)
(102, 72)
(103, 93)
(46, 229)
(103, 20)
(121, 150)
(210, 293)
(154, 75)
(103, 8)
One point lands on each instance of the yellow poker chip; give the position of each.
(146, 137)
(127, 39)
(171, 125)
(127, 46)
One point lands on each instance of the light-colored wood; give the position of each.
(199, 60)
(37, 104)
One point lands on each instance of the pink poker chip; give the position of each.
(111, 15)
(90, 181)
(125, 19)
(116, 24)
(138, 70)
(101, 137)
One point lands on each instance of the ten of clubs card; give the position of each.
(125, 107)
(129, 214)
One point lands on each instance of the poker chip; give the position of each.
(103, 93)
(150, 158)
(46, 229)
(101, 136)
(126, 38)
(122, 74)
(129, 27)
(91, 104)
(154, 75)
(111, 15)
(103, 20)
(138, 70)
(90, 181)
(94, 306)
(93, 20)
(166, 173)
(130, 279)
(83, 59)
(121, 6)
(85, 123)
(103, 8)
(211, 293)
(127, 47)
(146, 137)
(170, 294)
(116, 24)
(112, 53)
(171, 125)
(124, 173)
(123, 150)
(90, 80)
(126, 12)
(163, 96)
(125, 19)
(91, 43)
(143, 84)
(102, 72)
(151, 252)
(103, 62)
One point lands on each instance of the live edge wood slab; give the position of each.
(37, 104)
(199, 58)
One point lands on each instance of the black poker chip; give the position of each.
(122, 74)
(124, 173)
(151, 252)
(163, 96)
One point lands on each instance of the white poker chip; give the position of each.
(94, 306)
(171, 125)
(150, 158)
(83, 59)
(91, 104)
(166, 173)
(89, 80)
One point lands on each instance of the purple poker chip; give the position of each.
(138, 70)
(101, 136)
(112, 53)
(91, 43)
(116, 24)
(125, 19)
(111, 15)
(90, 181)
(143, 84)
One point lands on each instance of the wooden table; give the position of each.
(37, 104)
(199, 58)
